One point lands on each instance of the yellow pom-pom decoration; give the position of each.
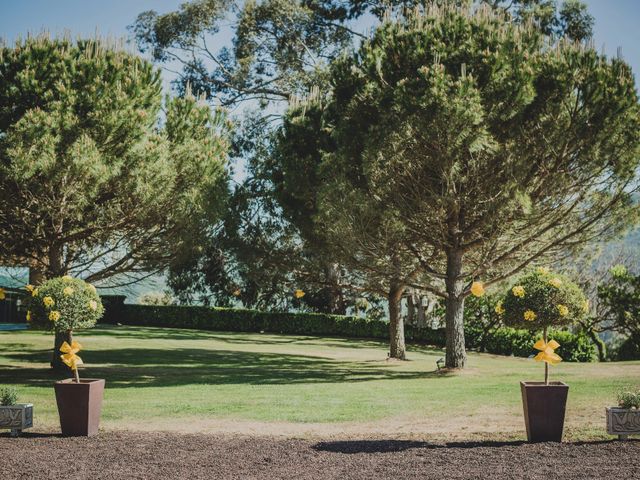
(530, 315)
(563, 310)
(48, 302)
(68, 291)
(54, 316)
(518, 291)
(555, 282)
(477, 289)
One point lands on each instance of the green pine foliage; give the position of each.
(93, 176)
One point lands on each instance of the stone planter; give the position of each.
(623, 422)
(79, 406)
(16, 417)
(544, 408)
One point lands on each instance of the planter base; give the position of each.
(79, 406)
(544, 409)
(623, 422)
(16, 417)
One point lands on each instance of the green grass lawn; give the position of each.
(187, 380)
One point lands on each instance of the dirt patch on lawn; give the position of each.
(136, 455)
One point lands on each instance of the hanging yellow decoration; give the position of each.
(547, 353)
(477, 289)
(70, 358)
(3, 295)
(298, 293)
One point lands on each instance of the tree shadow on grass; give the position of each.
(242, 338)
(141, 367)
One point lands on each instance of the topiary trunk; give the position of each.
(56, 362)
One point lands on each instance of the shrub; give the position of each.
(64, 304)
(629, 398)
(8, 396)
(504, 341)
(629, 349)
(543, 299)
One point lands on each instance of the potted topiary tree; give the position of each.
(64, 305)
(624, 420)
(538, 301)
(14, 416)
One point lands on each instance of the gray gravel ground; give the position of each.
(127, 455)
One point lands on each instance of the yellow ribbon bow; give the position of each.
(547, 353)
(70, 358)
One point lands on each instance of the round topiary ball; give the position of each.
(63, 304)
(543, 299)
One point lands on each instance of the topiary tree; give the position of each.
(539, 300)
(63, 304)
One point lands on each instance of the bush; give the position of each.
(628, 350)
(64, 304)
(543, 299)
(8, 396)
(504, 341)
(629, 398)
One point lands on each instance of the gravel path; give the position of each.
(127, 455)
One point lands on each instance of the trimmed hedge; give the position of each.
(504, 341)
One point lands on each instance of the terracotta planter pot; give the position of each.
(544, 408)
(79, 406)
(623, 422)
(16, 417)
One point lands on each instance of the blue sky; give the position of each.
(617, 21)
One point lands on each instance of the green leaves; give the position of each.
(86, 166)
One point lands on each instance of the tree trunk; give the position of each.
(56, 362)
(411, 308)
(600, 345)
(56, 269)
(396, 325)
(456, 356)
(336, 298)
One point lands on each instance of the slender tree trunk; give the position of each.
(595, 338)
(56, 362)
(336, 298)
(396, 325)
(56, 269)
(456, 356)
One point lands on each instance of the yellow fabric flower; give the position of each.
(530, 315)
(28, 316)
(93, 305)
(34, 293)
(563, 310)
(298, 293)
(555, 282)
(499, 308)
(547, 353)
(29, 288)
(91, 288)
(3, 295)
(48, 302)
(68, 291)
(70, 358)
(54, 316)
(477, 289)
(543, 270)
(67, 278)
(518, 291)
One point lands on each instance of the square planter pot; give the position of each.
(544, 408)
(16, 417)
(623, 422)
(79, 406)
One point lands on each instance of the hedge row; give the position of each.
(504, 341)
